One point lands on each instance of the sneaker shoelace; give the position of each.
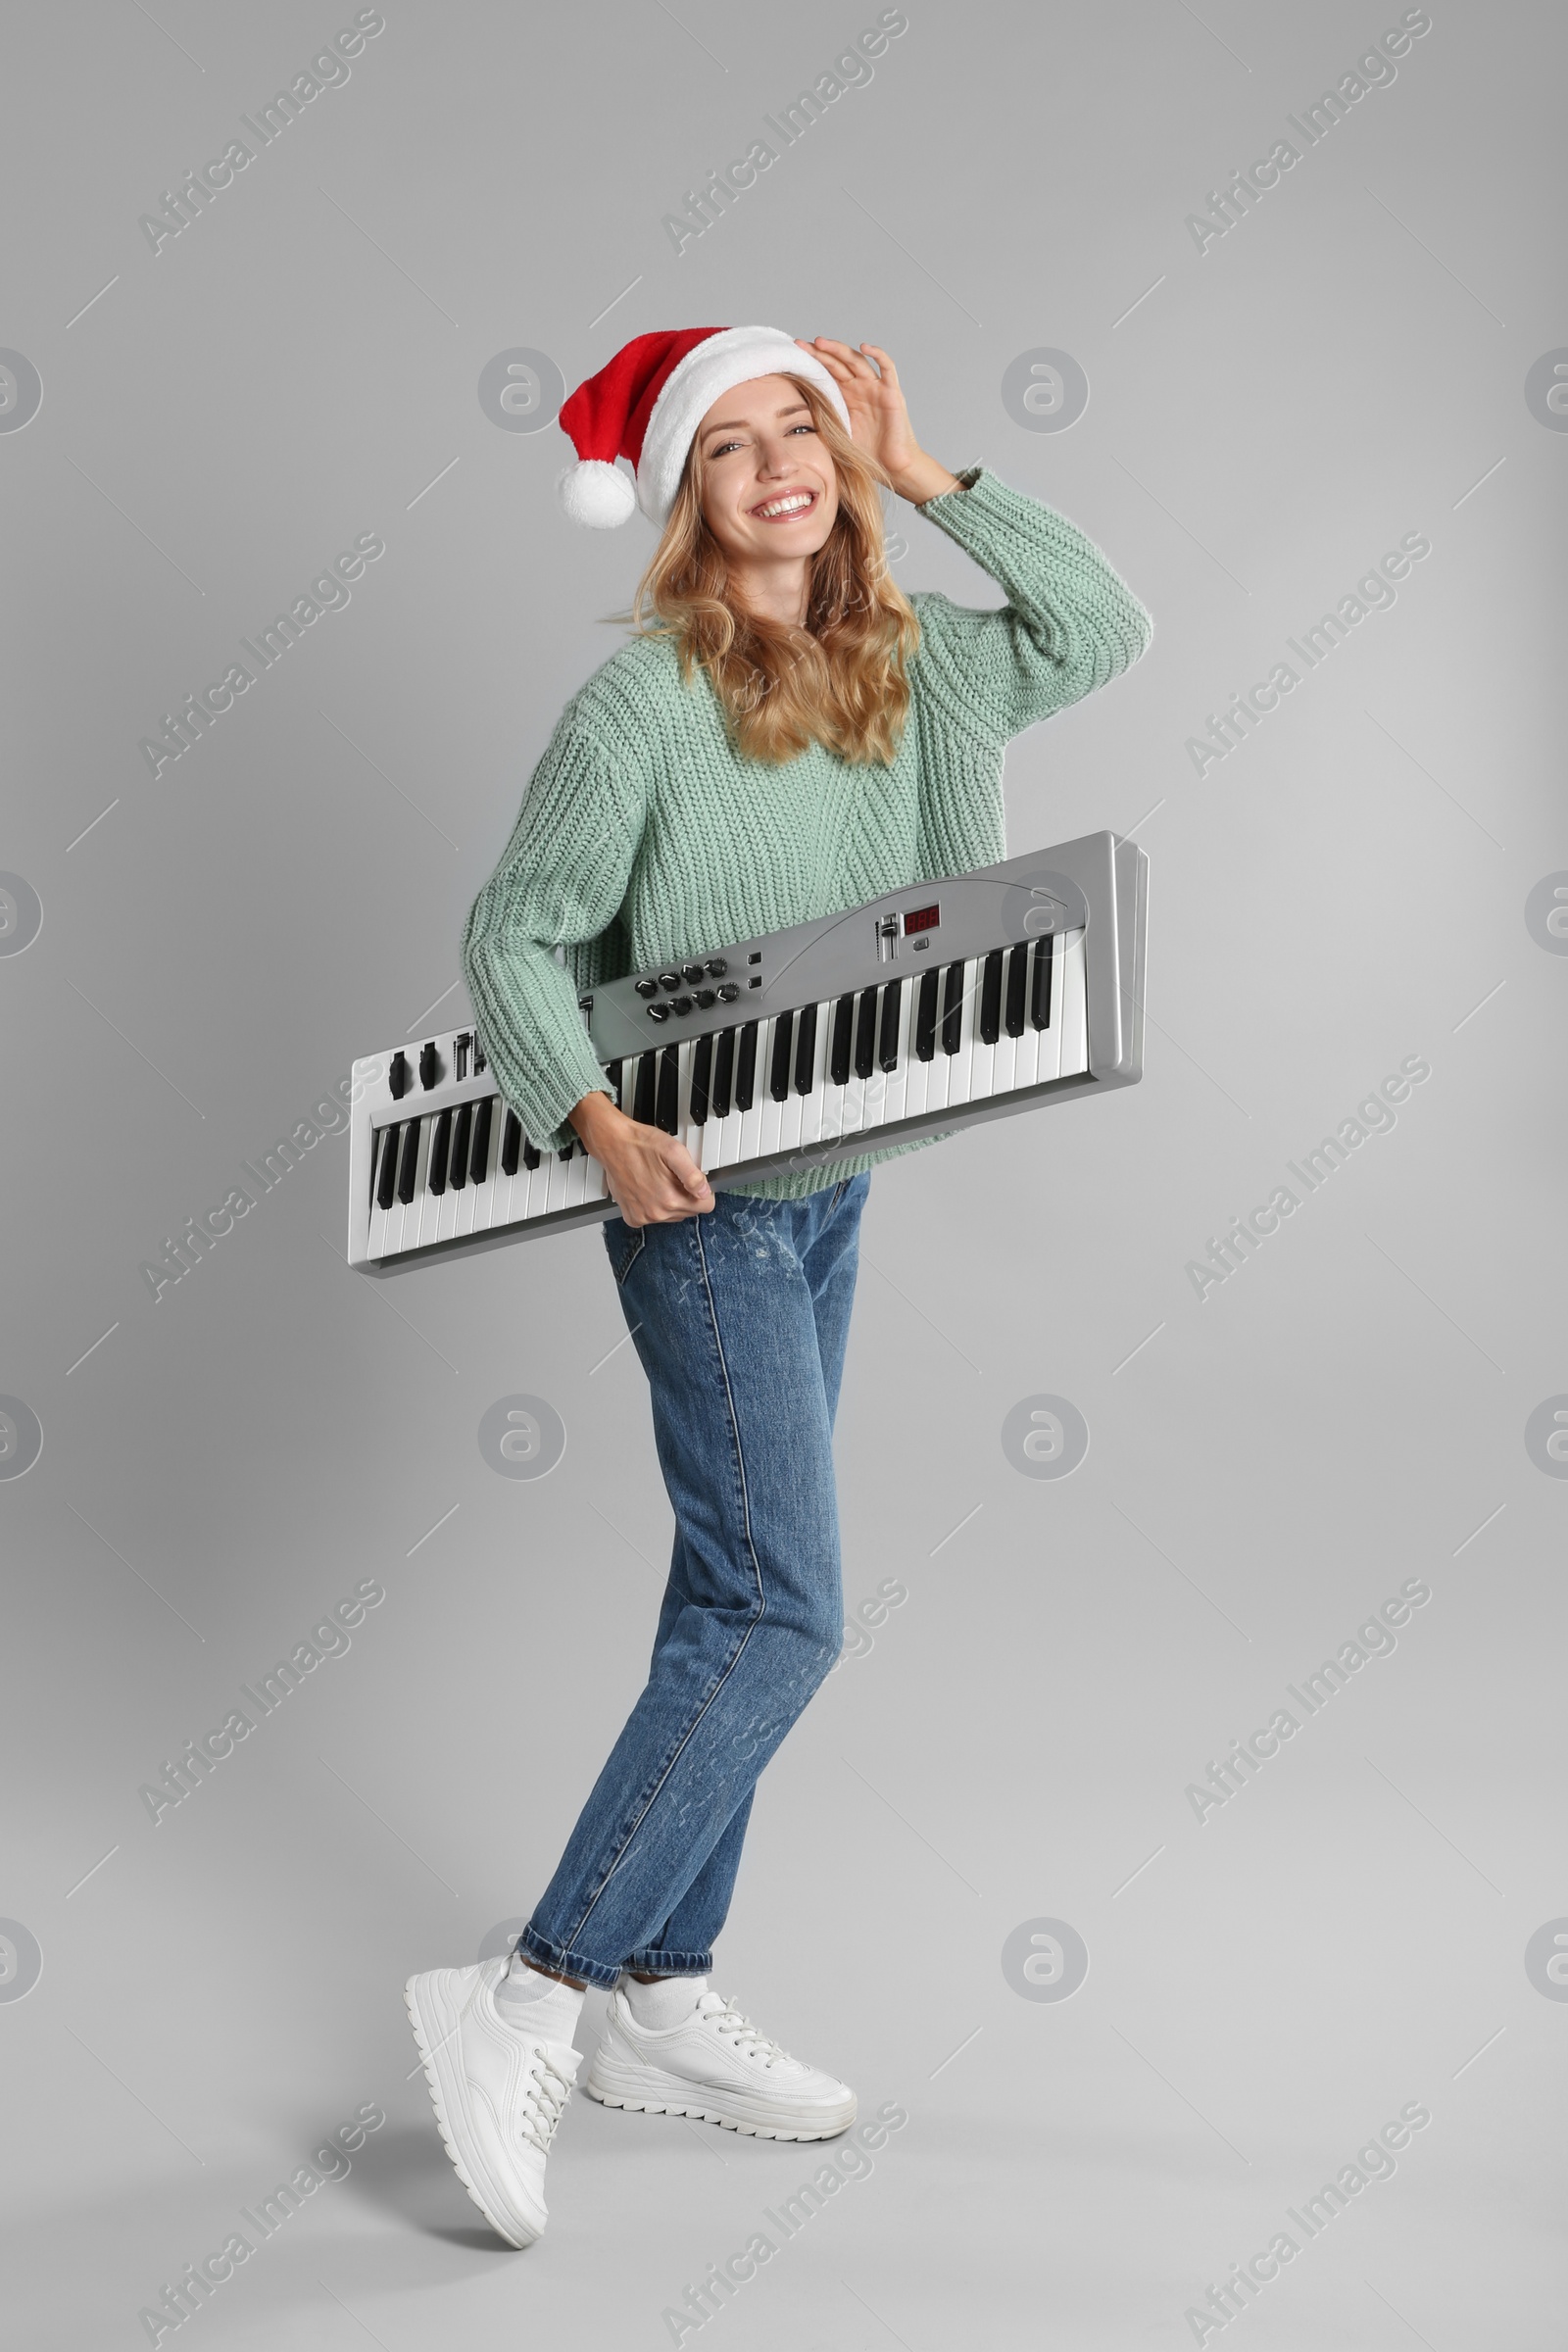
(544, 2100)
(727, 2021)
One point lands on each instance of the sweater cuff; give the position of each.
(967, 479)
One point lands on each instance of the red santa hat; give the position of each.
(647, 403)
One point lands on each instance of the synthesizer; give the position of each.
(931, 1009)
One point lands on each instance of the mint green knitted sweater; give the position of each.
(644, 838)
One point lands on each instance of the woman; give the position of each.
(785, 737)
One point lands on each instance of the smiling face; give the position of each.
(769, 489)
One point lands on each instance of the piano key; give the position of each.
(440, 1151)
(1017, 978)
(746, 1068)
(666, 1106)
(723, 1073)
(644, 1092)
(896, 1058)
(887, 1041)
(865, 1034)
(613, 1081)
(510, 1142)
(580, 1172)
(843, 1039)
(531, 1154)
(408, 1161)
(1040, 992)
(820, 1103)
(778, 1076)
(925, 1027)
(806, 1025)
(479, 1162)
(952, 1007)
(960, 1025)
(985, 984)
(389, 1166)
(768, 1102)
(722, 1134)
(461, 1145)
(702, 1080)
(1074, 1009)
(691, 1130)
(991, 998)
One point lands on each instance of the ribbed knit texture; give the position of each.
(645, 839)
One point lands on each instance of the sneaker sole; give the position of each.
(669, 2098)
(440, 2079)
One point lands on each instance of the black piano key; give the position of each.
(952, 1009)
(1017, 978)
(511, 1144)
(745, 1068)
(642, 1103)
(724, 1074)
(440, 1149)
(666, 1108)
(865, 1034)
(805, 1049)
(531, 1154)
(838, 1065)
(778, 1075)
(702, 1079)
(613, 1081)
(991, 998)
(887, 1044)
(409, 1162)
(925, 1014)
(389, 1167)
(479, 1163)
(461, 1137)
(1040, 994)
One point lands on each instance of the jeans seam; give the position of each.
(739, 1646)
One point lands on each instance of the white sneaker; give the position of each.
(498, 2092)
(717, 2069)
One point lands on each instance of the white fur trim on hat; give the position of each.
(597, 494)
(735, 356)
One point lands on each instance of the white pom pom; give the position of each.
(598, 495)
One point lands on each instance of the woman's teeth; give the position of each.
(796, 503)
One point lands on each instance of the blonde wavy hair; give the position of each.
(843, 678)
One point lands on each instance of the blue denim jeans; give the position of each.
(740, 1317)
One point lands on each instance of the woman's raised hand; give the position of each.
(879, 417)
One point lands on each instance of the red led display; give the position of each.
(921, 918)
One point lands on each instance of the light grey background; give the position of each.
(1265, 1990)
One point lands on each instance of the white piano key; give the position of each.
(769, 1126)
(982, 1057)
(814, 1106)
(1074, 1029)
(751, 1120)
(721, 1146)
(1004, 1051)
(960, 1065)
(854, 1118)
(917, 1073)
(578, 1172)
(895, 1085)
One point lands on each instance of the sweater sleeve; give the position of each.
(561, 882)
(1069, 624)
